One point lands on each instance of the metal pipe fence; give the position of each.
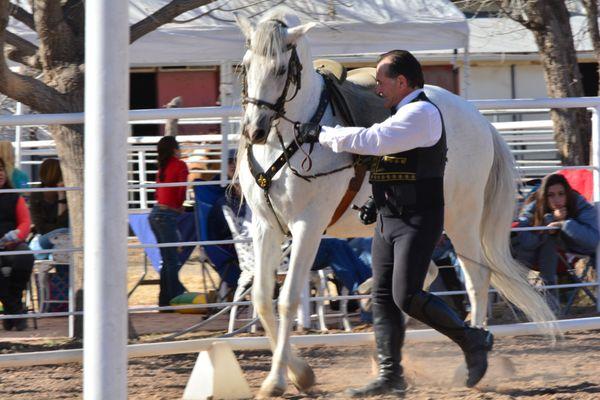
(522, 129)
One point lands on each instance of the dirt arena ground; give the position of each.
(525, 367)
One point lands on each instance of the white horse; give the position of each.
(479, 189)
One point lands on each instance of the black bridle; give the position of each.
(294, 74)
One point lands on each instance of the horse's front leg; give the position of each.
(267, 249)
(304, 248)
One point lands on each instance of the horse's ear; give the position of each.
(245, 25)
(293, 34)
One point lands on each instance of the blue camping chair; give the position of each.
(222, 258)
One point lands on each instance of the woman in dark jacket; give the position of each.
(555, 204)
(49, 209)
(15, 270)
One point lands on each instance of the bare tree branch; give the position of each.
(21, 51)
(74, 14)
(57, 44)
(26, 47)
(21, 15)
(25, 89)
(163, 16)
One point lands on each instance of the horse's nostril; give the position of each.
(258, 135)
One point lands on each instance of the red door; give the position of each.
(196, 88)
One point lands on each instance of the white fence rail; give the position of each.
(518, 134)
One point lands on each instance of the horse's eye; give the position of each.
(281, 71)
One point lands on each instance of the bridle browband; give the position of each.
(294, 74)
(264, 178)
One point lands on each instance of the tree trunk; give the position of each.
(69, 145)
(549, 22)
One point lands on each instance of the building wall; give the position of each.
(196, 88)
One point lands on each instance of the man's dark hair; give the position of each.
(404, 63)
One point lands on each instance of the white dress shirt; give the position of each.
(413, 125)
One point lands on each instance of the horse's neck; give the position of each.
(304, 105)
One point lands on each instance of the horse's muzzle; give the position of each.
(258, 136)
(257, 132)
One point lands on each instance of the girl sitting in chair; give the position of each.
(555, 204)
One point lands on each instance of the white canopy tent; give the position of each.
(344, 28)
(208, 35)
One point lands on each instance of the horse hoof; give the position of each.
(302, 376)
(267, 393)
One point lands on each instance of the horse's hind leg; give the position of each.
(466, 241)
(304, 248)
(267, 249)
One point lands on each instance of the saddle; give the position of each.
(355, 103)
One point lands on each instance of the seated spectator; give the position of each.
(555, 204)
(336, 253)
(348, 268)
(15, 270)
(219, 230)
(201, 163)
(49, 209)
(18, 178)
(362, 248)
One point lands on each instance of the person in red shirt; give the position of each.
(163, 218)
(15, 270)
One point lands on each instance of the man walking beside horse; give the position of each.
(408, 206)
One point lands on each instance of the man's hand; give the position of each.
(368, 212)
(308, 132)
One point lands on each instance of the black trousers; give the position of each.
(15, 271)
(401, 252)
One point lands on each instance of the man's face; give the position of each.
(392, 90)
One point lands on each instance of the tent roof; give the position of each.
(357, 27)
(503, 35)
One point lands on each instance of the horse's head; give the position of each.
(272, 70)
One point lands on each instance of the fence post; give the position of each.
(142, 174)
(105, 199)
(596, 164)
(18, 133)
(226, 89)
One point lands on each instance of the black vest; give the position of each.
(8, 215)
(413, 178)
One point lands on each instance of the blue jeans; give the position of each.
(164, 225)
(346, 265)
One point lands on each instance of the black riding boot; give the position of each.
(389, 336)
(475, 343)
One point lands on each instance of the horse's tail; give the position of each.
(508, 276)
